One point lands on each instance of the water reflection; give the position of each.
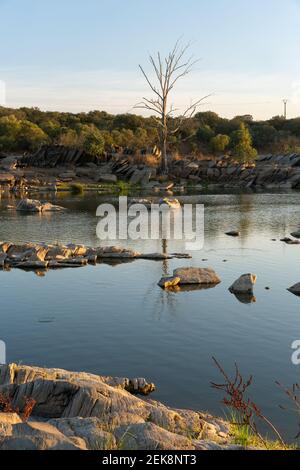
(112, 318)
(245, 298)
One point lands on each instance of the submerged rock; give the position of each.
(204, 276)
(243, 285)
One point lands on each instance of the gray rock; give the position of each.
(296, 234)
(243, 285)
(88, 429)
(295, 289)
(149, 436)
(107, 178)
(33, 205)
(37, 436)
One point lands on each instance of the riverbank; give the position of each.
(121, 175)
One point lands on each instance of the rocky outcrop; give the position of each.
(244, 285)
(52, 156)
(268, 171)
(33, 205)
(85, 411)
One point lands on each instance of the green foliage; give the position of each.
(205, 134)
(21, 135)
(77, 188)
(219, 143)
(242, 148)
(25, 129)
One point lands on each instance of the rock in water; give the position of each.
(295, 289)
(243, 285)
(33, 205)
(204, 276)
(29, 205)
(233, 233)
(296, 234)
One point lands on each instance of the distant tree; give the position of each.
(244, 118)
(205, 134)
(263, 135)
(208, 118)
(219, 143)
(127, 121)
(242, 148)
(167, 72)
(30, 136)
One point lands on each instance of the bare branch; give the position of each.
(167, 72)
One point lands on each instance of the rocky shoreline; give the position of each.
(83, 411)
(42, 256)
(57, 168)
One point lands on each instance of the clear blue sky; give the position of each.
(84, 54)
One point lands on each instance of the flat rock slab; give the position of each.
(204, 276)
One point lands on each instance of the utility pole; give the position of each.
(285, 101)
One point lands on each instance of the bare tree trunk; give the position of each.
(164, 156)
(167, 72)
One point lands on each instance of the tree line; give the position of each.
(206, 133)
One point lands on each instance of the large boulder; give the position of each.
(244, 284)
(205, 276)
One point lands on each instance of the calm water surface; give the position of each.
(114, 320)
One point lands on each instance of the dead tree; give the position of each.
(167, 72)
